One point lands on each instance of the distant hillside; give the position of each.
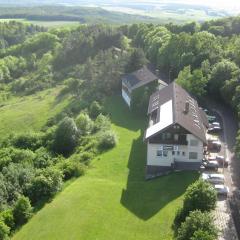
(63, 13)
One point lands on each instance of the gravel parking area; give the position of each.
(222, 213)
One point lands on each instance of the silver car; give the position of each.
(213, 178)
(221, 189)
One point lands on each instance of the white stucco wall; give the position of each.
(126, 98)
(154, 160)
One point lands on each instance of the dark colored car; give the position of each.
(210, 165)
(222, 161)
(214, 146)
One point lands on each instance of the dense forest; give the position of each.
(87, 62)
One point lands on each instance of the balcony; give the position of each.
(181, 140)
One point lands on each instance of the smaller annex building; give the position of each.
(177, 132)
(137, 79)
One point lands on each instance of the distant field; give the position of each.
(166, 16)
(113, 200)
(49, 24)
(29, 113)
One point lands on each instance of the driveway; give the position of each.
(223, 216)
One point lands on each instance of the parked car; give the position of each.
(222, 161)
(221, 189)
(211, 165)
(214, 146)
(216, 124)
(214, 129)
(211, 118)
(213, 178)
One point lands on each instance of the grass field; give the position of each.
(21, 114)
(48, 24)
(113, 201)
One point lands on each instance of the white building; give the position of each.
(137, 79)
(176, 133)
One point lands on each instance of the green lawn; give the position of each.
(113, 201)
(21, 114)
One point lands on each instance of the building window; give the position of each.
(183, 153)
(193, 155)
(161, 153)
(178, 153)
(193, 142)
(173, 153)
(165, 153)
(176, 137)
(163, 137)
(168, 136)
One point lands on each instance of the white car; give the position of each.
(216, 124)
(213, 178)
(221, 189)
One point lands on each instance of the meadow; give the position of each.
(113, 200)
(29, 113)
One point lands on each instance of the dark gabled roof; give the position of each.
(192, 120)
(140, 78)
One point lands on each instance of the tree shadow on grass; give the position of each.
(146, 198)
(122, 116)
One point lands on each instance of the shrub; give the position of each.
(66, 136)
(7, 217)
(72, 169)
(102, 123)
(95, 109)
(202, 235)
(45, 185)
(84, 123)
(200, 195)
(107, 140)
(22, 211)
(42, 159)
(4, 231)
(27, 140)
(196, 223)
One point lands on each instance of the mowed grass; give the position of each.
(21, 114)
(113, 200)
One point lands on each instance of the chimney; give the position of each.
(186, 110)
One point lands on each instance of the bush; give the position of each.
(22, 211)
(45, 185)
(27, 140)
(66, 136)
(72, 169)
(4, 231)
(84, 123)
(42, 159)
(102, 123)
(196, 223)
(7, 217)
(107, 140)
(200, 195)
(202, 235)
(95, 109)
